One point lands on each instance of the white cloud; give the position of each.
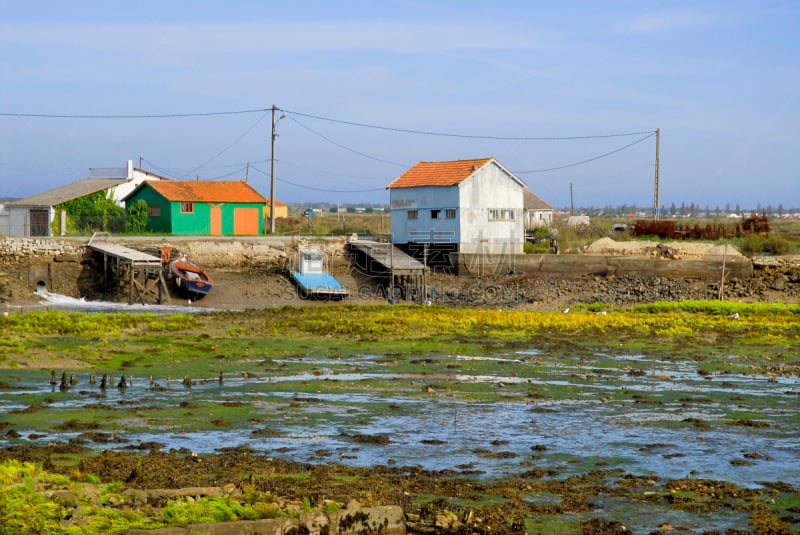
(666, 22)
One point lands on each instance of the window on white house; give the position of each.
(450, 213)
(413, 214)
(436, 214)
(499, 214)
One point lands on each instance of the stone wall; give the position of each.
(704, 268)
(17, 249)
(237, 252)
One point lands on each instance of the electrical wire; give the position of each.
(317, 172)
(236, 172)
(223, 151)
(319, 189)
(330, 190)
(311, 116)
(290, 113)
(145, 116)
(465, 136)
(588, 160)
(329, 140)
(160, 170)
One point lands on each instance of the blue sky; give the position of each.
(365, 85)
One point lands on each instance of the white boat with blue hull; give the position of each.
(311, 278)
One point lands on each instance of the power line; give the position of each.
(318, 172)
(326, 190)
(223, 151)
(589, 160)
(161, 170)
(329, 140)
(236, 172)
(312, 116)
(466, 136)
(122, 116)
(289, 113)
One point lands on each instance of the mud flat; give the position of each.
(503, 421)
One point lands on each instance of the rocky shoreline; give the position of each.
(251, 276)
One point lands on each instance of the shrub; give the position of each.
(755, 244)
(138, 215)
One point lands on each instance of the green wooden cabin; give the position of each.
(184, 207)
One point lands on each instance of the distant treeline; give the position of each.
(684, 210)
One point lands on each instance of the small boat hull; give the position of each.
(318, 286)
(311, 279)
(190, 277)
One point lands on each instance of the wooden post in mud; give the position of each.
(163, 291)
(131, 288)
(105, 273)
(424, 296)
(391, 270)
(722, 277)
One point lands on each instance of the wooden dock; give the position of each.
(406, 276)
(383, 257)
(120, 262)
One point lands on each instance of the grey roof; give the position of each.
(67, 192)
(532, 202)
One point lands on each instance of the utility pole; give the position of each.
(272, 170)
(247, 171)
(571, 201)
(655, 196)
(272, 176)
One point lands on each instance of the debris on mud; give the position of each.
(432, 501)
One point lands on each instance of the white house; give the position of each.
(34, 215)
(471, 206)
(3, 220)
(538, 213)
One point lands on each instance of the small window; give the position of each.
(450, 213)
(187, 207)
(436, 214)
(413, 214)
(155, 210)
(496, 214)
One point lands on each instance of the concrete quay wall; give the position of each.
(229, 252)
(705, 268)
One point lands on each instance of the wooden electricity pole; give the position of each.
(272, 176)
(655, 196)
(571, 201)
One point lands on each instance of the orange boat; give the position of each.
(190, 277)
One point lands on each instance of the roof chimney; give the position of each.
(130, 169)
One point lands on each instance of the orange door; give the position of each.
(245, 221)
(216, 221)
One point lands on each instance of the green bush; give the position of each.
(775, 245)
(93, 212)
(138, 216)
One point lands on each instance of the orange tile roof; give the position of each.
(278, 202)
(196, 191)
(438, 173)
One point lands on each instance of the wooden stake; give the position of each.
(722, 277)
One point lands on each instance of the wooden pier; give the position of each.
(120, 262)
(405, 275)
